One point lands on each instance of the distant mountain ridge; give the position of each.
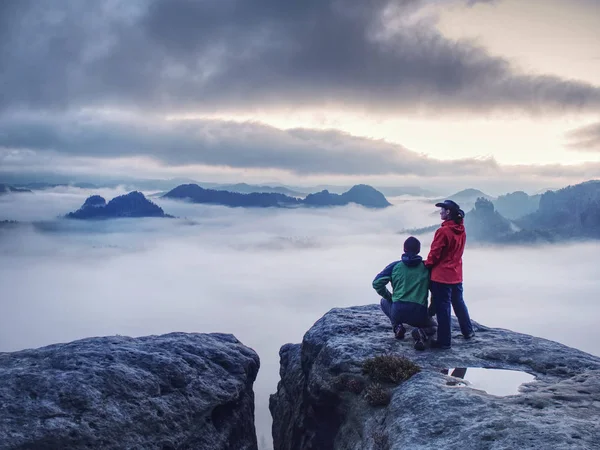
(517, 204)
(44, 185)
(511, 205)
(394, 191)
(134, 204)
(362, 195)
(569, 213)
(470, 193)
(485, 224)
(465, 198)
(245, 188)
(197, 194)
(41, 182)
(6, 189)
(573, 211)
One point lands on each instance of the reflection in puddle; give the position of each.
(499, 382)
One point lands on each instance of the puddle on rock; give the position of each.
(499, 382)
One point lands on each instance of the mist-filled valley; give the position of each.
(265, 275)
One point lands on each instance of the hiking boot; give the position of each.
(399, 331)
(420, 338)
(436, 344)
(470, 335)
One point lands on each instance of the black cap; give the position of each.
(412, 245)
(448, 204)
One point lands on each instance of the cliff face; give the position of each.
(320, 401)
(177, 391)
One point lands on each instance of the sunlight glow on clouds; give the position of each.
(449, 82)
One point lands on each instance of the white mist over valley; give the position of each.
(264, 275)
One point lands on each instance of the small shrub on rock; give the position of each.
(349, 383)
(377, 395)
(355, 385)
(390, 368)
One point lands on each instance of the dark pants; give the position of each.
(412, 314)
(446, 295)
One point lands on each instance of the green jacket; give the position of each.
(409, 278)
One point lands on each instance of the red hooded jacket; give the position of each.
(445, 255)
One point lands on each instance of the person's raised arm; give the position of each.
(382, 279)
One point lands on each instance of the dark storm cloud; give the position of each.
(382, 55)
(586, 138)
(221, 143)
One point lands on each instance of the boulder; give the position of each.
(322, 403)
(176, 391)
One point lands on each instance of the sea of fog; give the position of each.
(265, 275)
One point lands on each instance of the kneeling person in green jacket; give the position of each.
(408, 303)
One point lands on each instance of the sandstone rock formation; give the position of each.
(320, 401)
(176, 391)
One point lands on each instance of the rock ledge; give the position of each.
(176, 391)
(311, 411)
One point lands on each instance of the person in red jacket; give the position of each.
(445, 263)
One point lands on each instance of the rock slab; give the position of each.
(316, 407)
(176, 391)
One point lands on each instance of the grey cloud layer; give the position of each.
(246, 145)
(249, 145)
(585, 138)
(172, 55)
(221, 143)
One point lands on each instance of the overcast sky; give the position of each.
(398, 92)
